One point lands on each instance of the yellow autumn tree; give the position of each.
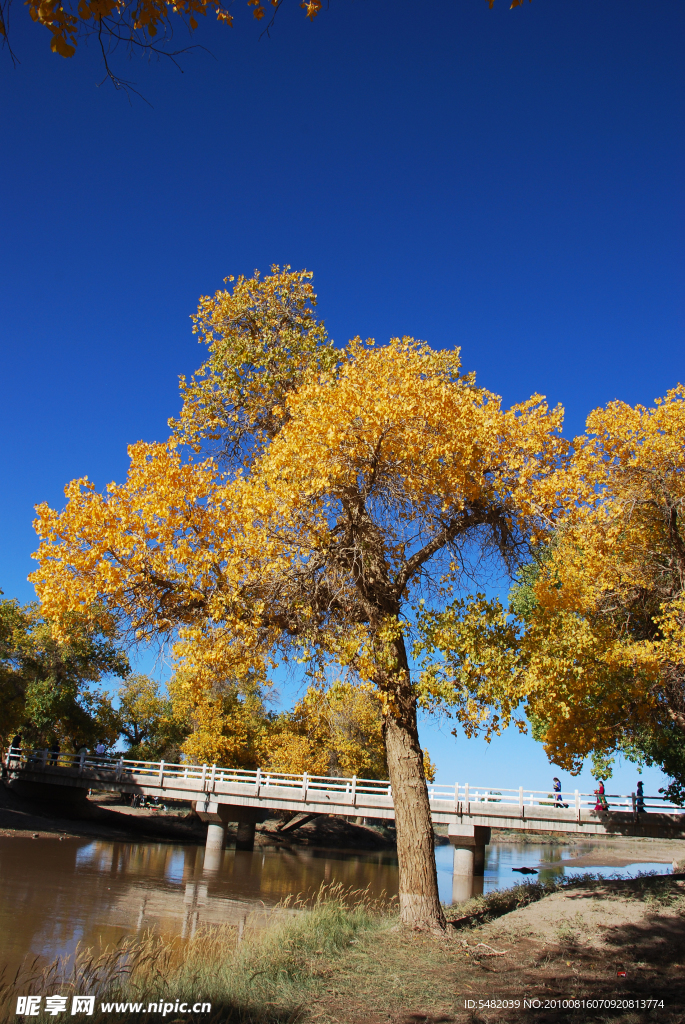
(225, 721)
(593, 646)
(337, 731)
(380, 472)
(606, 634)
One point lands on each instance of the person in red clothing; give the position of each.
(601, 801)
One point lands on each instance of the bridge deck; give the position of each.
(209, 787)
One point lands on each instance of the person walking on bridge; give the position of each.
(601, 801)
(558, 802)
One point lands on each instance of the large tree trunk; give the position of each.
(419, 902)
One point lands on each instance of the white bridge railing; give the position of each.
(461, 796)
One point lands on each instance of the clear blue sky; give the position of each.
(506, 181)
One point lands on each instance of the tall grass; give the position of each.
(264, 976)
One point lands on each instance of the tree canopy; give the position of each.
(594, 642)
(344, 485)
(332, 731)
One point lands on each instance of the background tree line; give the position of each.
(52, 695)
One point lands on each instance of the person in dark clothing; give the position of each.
(558, 802)
(640, 801)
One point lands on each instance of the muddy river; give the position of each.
(56, 893)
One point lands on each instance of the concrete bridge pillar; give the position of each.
(216, 836)
(469, 842)
(245, 835)
(214, 847)
(218, 815)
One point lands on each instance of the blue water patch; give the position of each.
(548, 862)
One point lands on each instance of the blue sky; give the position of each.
(506, 181)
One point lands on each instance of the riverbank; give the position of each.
(345, 961)
(571, 945)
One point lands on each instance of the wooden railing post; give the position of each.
(577, 805)
(161, 772)
(258, 782)
(467, 800)
(304, 786)
(521, 800)
(354, 790)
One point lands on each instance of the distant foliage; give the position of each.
(46, 685)
(147, 722)
(333, 731)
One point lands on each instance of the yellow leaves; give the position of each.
(69, 20)
(312, 7)
(605, 641)
(238, 397)
(61, 46)
(470, 664)
(333, 731)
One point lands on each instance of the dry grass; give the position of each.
(264, 976)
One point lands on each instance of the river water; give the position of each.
(55, 893)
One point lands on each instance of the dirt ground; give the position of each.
(566, 948)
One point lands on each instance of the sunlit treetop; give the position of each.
(263, 338)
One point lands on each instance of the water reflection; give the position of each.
(55, 894)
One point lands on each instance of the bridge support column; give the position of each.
(469, 842)
(216, 836)
(214, 847)
(244, 839)
(218, 815)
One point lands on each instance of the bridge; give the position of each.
(223, 795)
